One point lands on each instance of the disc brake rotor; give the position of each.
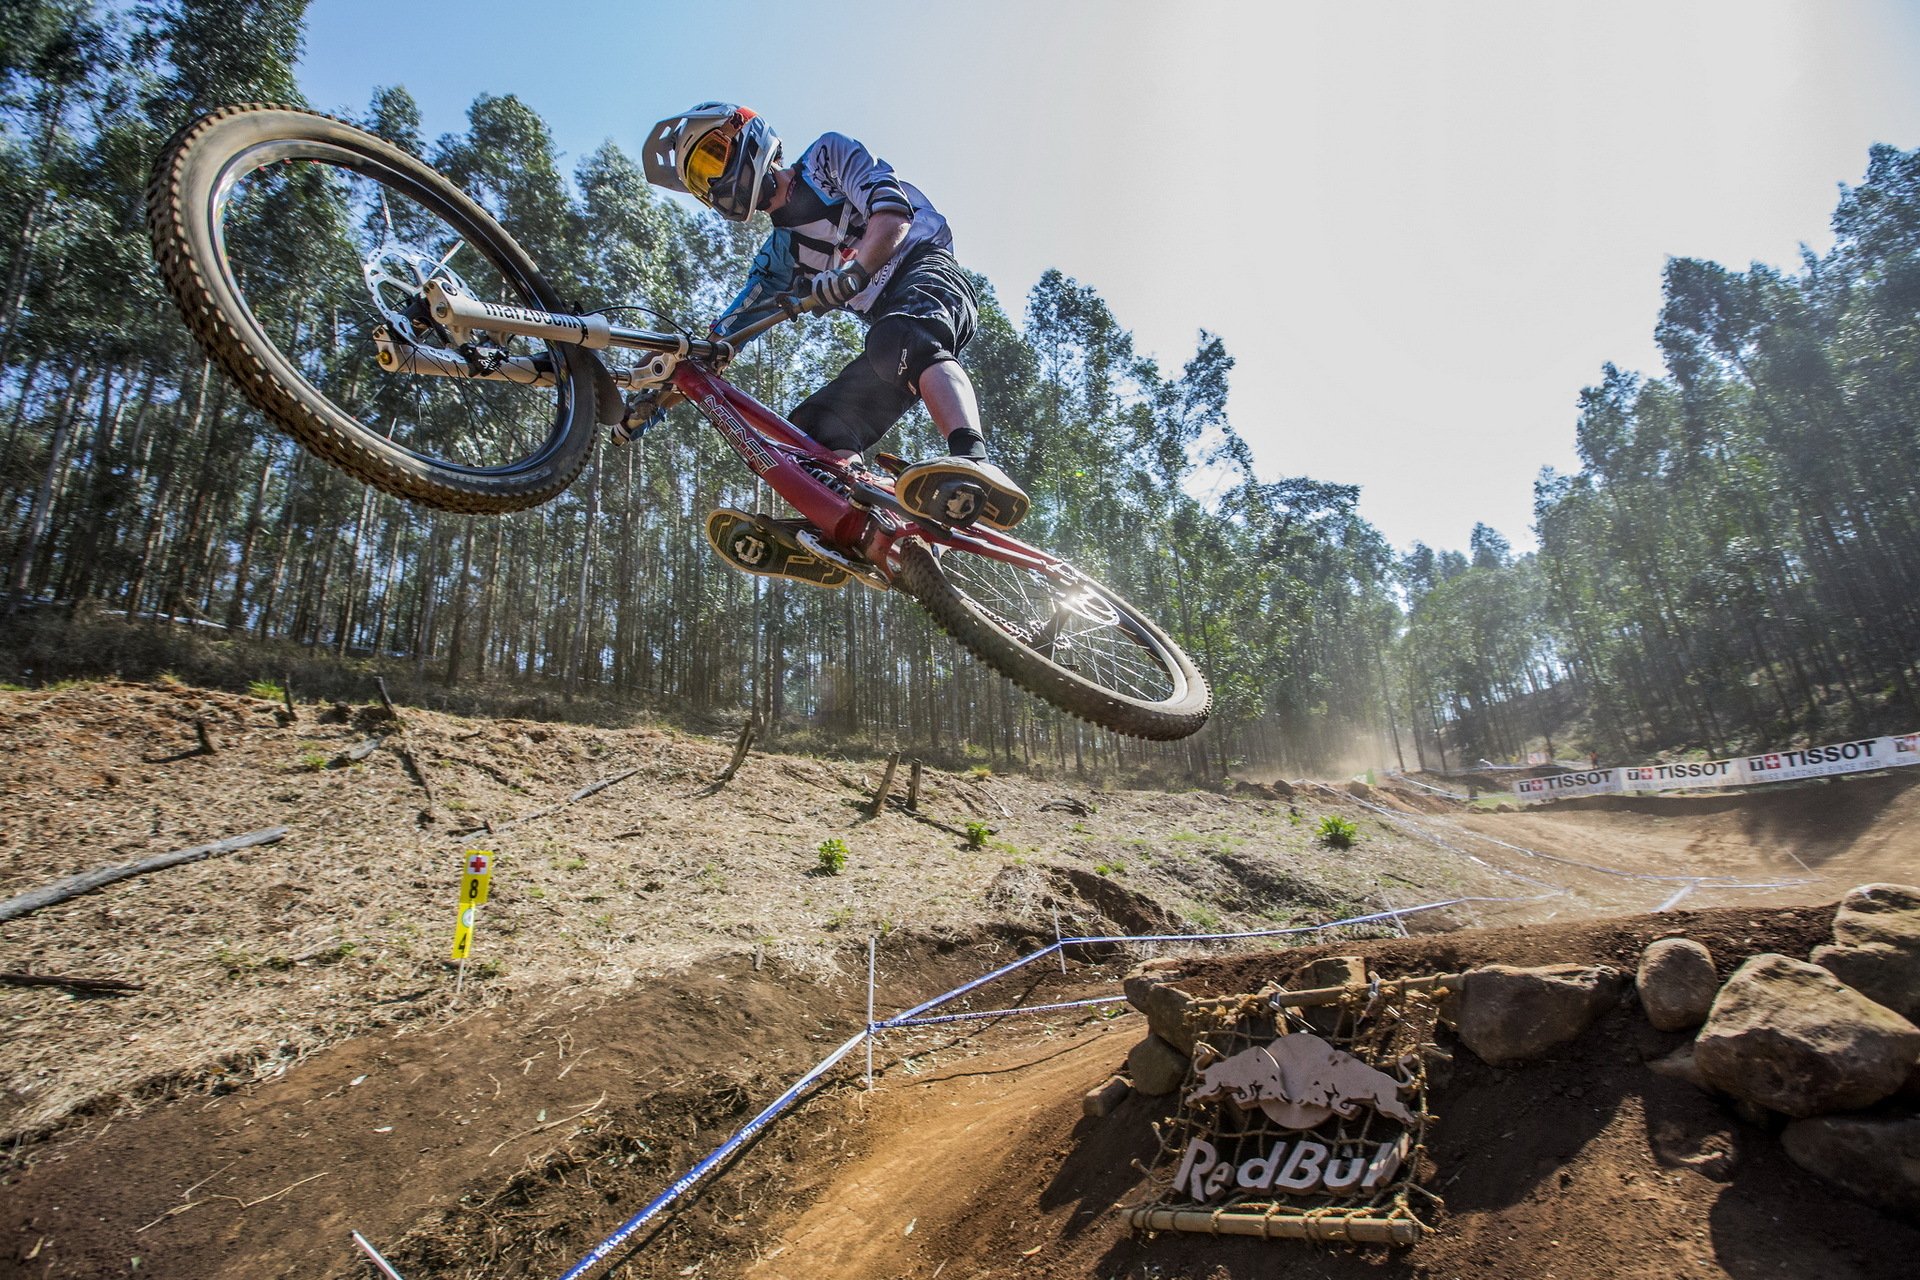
(397, 277)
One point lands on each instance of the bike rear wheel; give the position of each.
(1062, 637)
(293, 243)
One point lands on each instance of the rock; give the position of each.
(1876, 945)
(1150, 989)
(1359, 790)
(1788, 1036)
(1507, 1014)
(1329, 971)
(1099, 1102)
(1156, 1067)
(1677, 983)
(1281, 788)
(1872, 1158)
(1680, 1065)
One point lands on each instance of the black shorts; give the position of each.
(925, 315)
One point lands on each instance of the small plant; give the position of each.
(833, 856)
(572, 862)
(1111, 869)
(1206, 918)
(979, 773)
(313, 760)
(977, 833)
(1336, 832)
(266, 689)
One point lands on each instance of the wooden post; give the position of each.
(286, 692)
(380, 682)
(886, 785)
(913, 788)
(206, 739)
(741, 748)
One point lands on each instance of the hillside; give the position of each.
(663, 956)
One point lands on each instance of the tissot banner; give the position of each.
(1858, 756)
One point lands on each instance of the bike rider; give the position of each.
(851, 234)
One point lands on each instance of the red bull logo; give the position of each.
(1300, 1080)
(1300, 1165)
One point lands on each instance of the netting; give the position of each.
(1303, 1116)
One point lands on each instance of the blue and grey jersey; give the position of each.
(837, 186)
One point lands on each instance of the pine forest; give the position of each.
(1735, 562)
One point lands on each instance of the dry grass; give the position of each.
(251, 961)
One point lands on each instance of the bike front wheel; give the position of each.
(300, 249)
(1062, 637)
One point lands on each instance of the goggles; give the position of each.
(708, 159)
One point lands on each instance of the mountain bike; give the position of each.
(385, 319)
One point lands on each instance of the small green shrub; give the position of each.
(313, 760)
(1336, 832)
(980, 773)
(1111, 869)
(833, 856)
(267, 689)
(977, 833)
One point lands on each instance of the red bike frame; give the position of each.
(774, 448)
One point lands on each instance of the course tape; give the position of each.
(608, 1247)
(939, 1018)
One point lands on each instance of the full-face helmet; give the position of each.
(721, 153)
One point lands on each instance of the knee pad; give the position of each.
(901, 348)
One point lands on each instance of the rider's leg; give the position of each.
(953, 406)
(963, 486)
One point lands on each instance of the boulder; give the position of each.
(1790, 1037)
(1679, 1065)
(1156, 1067)
(1872, 1158)
(1101, 1101)
(1149, 988)
(1329, 971)
(1677, 983)
(1876, 946)
(1507, 1014)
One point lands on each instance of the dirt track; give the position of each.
(611, 1050)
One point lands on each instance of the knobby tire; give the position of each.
(183, 221)
(1181, 714)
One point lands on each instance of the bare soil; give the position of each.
(663, 957)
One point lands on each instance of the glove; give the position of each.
(646, 409)
(837, 288)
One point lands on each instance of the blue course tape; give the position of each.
(996, 1013)
(607, 1247)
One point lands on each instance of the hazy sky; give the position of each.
(1420, 228)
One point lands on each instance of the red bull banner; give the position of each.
(1862, 755)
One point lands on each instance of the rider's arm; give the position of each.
(771, 276)
(884, 234)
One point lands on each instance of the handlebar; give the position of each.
(792, 306)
